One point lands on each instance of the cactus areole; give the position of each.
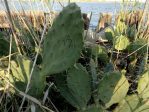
(64, 41)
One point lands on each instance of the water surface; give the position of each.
(95, 7)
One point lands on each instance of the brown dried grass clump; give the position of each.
(105, 20)
(35, 19)
(133, 18)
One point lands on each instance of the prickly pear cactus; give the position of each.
(64, 41)
(109, 34)
(144, 107)
(120, 28)
(131, 32)
(79, 82)
(139, 46)
(76, 87)
(109, 67)
(4, 46)
(113, 88)
(121, 42)
(101, 53)
(20, 76)
(133, 103)
(143, 85)
(128, 104)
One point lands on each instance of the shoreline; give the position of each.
(106, 1)
(142, 1)
(82, 1)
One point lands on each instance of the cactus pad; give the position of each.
(79, 82)
(75, 87)
(139, 46)
(20, 76)
(113, 88)
(133, 103)
(64, 41)
(143, 85)
(121, 42)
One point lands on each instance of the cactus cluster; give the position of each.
(21, 74)
(64, 42)
(91, 78)
(113, 88)
(62, 48)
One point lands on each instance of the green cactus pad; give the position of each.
(133, 103)
(65, 91)
(75, 87)
(139, 46)
(128, 104)
(20, 76)
(113, 88)
(4, 46)
(121, 42)
(120, 28)
(143, 85)
(64, 41)
(79, 82)
(97, 50)
(109, 33)
(101, 53)
(131, 32)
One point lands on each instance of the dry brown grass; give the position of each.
(35, 18)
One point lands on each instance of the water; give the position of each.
(99, 7)
(96, 8)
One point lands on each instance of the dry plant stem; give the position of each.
(136, 50)
(8, 69)
(89, 25)
(2, 89)
(60, 3)
(145, 10)
(26, 24)
(46, 93)
(12, 25)
(53, 105)
(8, 56)
(10, 49)
(26, 95)
(69, 1)
(27, 87)
(46, 3)
(46, 97)
(147, 57)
